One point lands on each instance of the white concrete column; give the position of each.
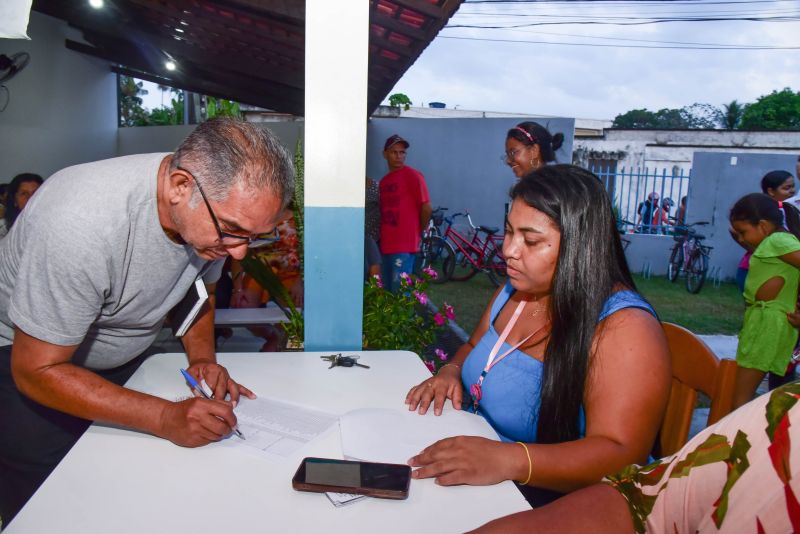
(337, 41)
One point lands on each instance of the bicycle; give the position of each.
(434, 251)
(690, 255)
(437, 220)
(476, 254)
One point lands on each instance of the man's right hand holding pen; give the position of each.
(199, 420)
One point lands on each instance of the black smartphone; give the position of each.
(387, 481)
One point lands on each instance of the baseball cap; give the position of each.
(393, 140)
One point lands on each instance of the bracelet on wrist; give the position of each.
(445, 365)
(530, 464)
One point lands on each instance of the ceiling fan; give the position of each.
(10, 66)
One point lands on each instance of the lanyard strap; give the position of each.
(493, 358)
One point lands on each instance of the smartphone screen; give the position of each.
(375, 479)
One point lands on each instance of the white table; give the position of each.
(271, 314)
(120, 481)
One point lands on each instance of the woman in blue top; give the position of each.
(568, 363)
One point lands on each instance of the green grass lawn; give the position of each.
(715, 310)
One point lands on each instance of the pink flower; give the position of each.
(449, 312)
(429, 364)
(378, 281)
(438, 319)
(441, 354)
(430, 272)
(421, 297)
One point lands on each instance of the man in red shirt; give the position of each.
(405, 211)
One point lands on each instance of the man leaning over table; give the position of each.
(88, 273)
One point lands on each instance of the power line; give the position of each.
(669, 47)
(474, 14)
(637, 2)
(657, 41)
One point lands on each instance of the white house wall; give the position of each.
(63, 107)
(674, 149)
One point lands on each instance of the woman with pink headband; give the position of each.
(529, 146)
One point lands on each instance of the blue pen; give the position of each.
(195, 386)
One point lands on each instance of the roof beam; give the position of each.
(212, 89)
(196, 80)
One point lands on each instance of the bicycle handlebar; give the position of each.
(688, 227)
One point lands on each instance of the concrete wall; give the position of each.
(668, 149)
(63, 106)
(718, 181)
(460, 159)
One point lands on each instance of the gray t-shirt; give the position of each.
(88, 263)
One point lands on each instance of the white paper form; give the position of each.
(394, 436)
(276, 427)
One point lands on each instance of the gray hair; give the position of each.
(226, 152)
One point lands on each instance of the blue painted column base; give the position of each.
(334, 278)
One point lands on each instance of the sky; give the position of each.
(495, 70)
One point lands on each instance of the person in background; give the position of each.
(529, 146)
(82, 297)
(767, 338)
(661, 216)
(405, 212)
(372, 258)
(646, 211)
(680, 216)
(738, 475)
(372, 228)
(372, 210)
(568, 363)
(19, 192)
(780, 186)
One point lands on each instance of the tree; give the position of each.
(700, 116)
(636, 118)
(219, 107)
(131, 112)
(697, 116)
(779, 110)
(731, 115)
(399, 99)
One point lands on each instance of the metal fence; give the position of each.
(647, 201)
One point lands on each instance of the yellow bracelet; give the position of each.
(530, 464)
(445, 365)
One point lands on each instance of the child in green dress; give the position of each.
(767, 338)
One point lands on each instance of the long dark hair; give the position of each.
(590, 263)
(532, 133)
(12, 211)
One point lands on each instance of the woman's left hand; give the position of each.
(466, 460)
(220, 382)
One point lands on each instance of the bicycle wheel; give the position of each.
(437, 254)
(675, 262)
(696, 270)
(496, 268)
(464, 265)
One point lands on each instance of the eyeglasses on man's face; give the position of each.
(233, 240)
